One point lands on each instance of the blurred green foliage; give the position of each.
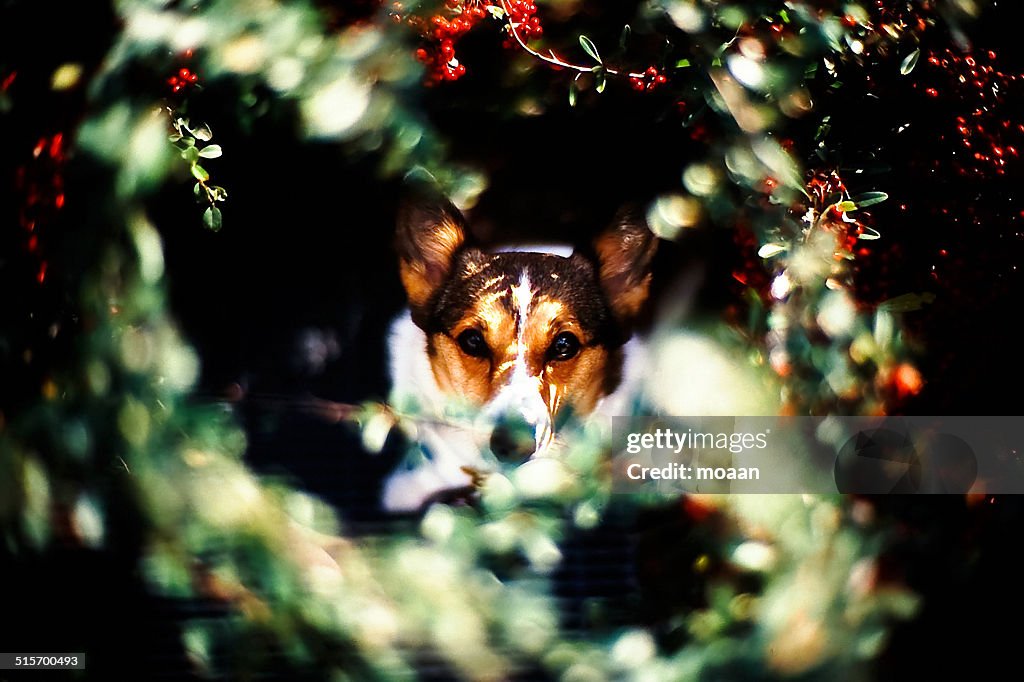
(113, 434)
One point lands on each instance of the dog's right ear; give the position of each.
(431, 231)
(625, 252)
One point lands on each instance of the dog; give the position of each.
(497, 349)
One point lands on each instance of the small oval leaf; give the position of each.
(590, 48)
(212, 218)
(211, 151)
(199, 173)
(907, 302)
(769, 250)
(870, 198)
(203, 133)
(846, 206)
(910, 61)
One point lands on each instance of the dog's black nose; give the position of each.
(513, 439)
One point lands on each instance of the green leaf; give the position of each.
(573, 92)
(780, 163)
(190, 154)
(212, 151)
(870, 198)
(602, 82)
(199, 173)
(624, 37)
(846, 206)
(590, 48)
(212, 218)
(907, 302)
(218, 193)
(910, 61)
(203, 133)
(784, 15)
(769, 250)
(683, 64)
(198, 191)
(175, 137)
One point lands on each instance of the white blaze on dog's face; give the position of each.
(527, 337)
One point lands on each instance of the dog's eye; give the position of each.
(565, 346)
(472, 343)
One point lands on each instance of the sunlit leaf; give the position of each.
(203, 133)
(588, 46)
(910, 61)
(870, 198)
(212, 151)
(769, 250)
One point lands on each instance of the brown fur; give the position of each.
(453, 287)
(579, 381)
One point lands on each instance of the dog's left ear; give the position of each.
(431, 231)
(625, 252)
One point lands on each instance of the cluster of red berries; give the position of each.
(182, 79)
(440, 56)
(522, 24)
(523, 17)
(978, 87)
(41, 185)
(649, 81)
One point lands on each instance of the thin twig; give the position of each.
(551, 57)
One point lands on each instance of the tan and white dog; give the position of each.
(521, 338)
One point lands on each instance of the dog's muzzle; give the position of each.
(519, 422)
